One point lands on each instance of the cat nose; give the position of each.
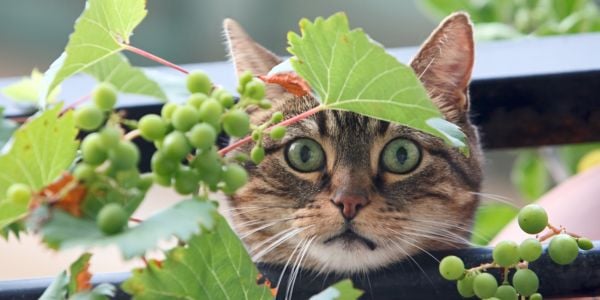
(350, 204)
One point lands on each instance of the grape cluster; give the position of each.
(91, 116)
(507, 255)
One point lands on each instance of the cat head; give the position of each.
(347, 193)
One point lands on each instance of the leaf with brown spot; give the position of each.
(290, 81)
(80, 275)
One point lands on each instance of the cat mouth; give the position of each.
(349, 236)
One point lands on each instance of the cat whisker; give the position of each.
(288, 262)
(502, 199)
(395, 242)
(444, 234)
(447, 238)
(255, 230)
(414, 244)
(287, 234)
(450, 225)
(296, 270)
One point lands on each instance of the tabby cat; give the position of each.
(347, 193)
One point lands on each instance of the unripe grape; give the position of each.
(186, 181)
(88, 117)
(533, 219)
(234, 176)
(530, 249)
(167, 110)
(278, 132)
(277, 117)
(536, 296)
(163, 165)
(506, 292)
(176, 146)
(224, 97)
(112, 218)
(163, 180)
(255, 89)
(84, 172)
(208, 165)
(563, 249)
(93, 151)
(124, 156)
(452, 267)
(243, 80)
(18, 193)
(198, 82)
(105, 96)
(152, 127)
(236, 123)
(485, 285)
(256, 135)
(128, 178)
(525, 282)
(265, 104)
(196, 100)
(257, 154)
(585, 243)
(506, 253)
(185, 117)
(110, 137)
(465, 286)
(211, 111)
(202, 136)
(146, 181)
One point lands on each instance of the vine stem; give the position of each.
(290, 121)
(485, 267)
(554, 231)
(155, 58)
(132, 135)
(75, 103)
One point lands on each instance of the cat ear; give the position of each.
(248, 55)
(444, 64)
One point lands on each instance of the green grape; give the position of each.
(18, 193)
(128, 178)
(185, 117)
(196, 100)
(198, 82)
(112, 218)
(563, 249)
(105, 96)
(125, 155)
(152, 127)
(110, 137)
(506, 292)
(452, 267)
(506, 253)
(162, 165)
(93, 151)
(176, 146)
(234, 176)
(257, 154)
(211, 111)
(84, 172)
(525, 282)
(167, 110)
(255, 89)
(536, 296)
(585, 243)
(533, 219)
(88, 117)
(530, 249)
(256, 135)
(187, 181)
(265, 104)
(224, 97)
(485, 285)
(465, 286)
(278, 132)
(163, 180)
(236, 123)
(243, 80)
(202, 136)
(208, 165)
(146, 181)
(277, 117)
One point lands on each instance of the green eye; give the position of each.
(400, 156)
(305, 155)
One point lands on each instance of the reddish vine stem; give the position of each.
(75, 103)
(292, 120)
(155, 58)
(555, 231)
(135, 220)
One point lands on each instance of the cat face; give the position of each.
(347, 193)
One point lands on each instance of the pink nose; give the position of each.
(350, 204)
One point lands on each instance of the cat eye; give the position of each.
(400, 156)
(305, 155)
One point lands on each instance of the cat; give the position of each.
(348, 194)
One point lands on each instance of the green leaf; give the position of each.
(571, 154)
(76, 268)
(27, 90)
(57, 289)
(213, 265)
(7, 127)
(41, 150)
(101, 30)
(343, 290)
(63, 231)
(117, 70)
(530, 176)
(352, 73)
(490, 218)
(101, 291)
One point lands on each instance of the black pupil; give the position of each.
(401, 155)
(305, 153)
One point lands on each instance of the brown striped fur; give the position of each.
(430, 208)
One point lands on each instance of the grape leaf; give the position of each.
(41, 150)
(350, 72)
(490, 218)
(182, 220)
(117, 70)
(79, 279)
(7, 127)
(57, 289)
(530, 176)
(213, 265)
(27, 90)
(343, 290)
(101, 31)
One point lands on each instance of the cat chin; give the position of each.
(353, 258)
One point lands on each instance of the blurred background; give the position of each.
(33, 33)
